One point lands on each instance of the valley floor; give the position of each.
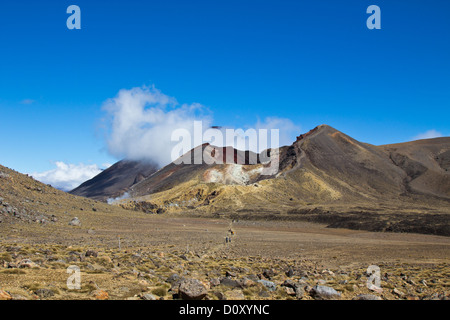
(158, 251)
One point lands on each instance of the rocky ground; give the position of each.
(123, 254)
(210, 269)
(40, 272)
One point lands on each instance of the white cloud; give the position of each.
(244, 140)
(126, 195)
(106, 165)
(428, 135)
(67, 176)
(288, 130)
(141, 121)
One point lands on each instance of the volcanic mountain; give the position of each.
(324, 176)
(115, 181)
(321, 166)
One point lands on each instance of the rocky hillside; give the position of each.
(324, 171)
(27, 202)
(114, 181)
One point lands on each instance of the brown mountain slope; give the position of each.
(115, 180)
(324, 171)
(326, 165)
(116, 249)
(32, 206)
(426, 164)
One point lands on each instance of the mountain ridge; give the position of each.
(324, 176)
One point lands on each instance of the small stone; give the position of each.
(264, 294)
(290, 291)
(75, 222)
(44, 293)
(398, 293)
(328, 272)
(143, 283)
(220, 295)
(27, 263)
(230, 283)
(271, 286)
(18, 297)
(5, 295)
(411, 282)
(214, 282)
(269, 273)
(289, 283)
(253, 277)
(173, 278)
(13, 249)
(246, 283)
(91, 253)
(290, 273)
(374, 288)
(149, 296)
(100, 295)
(234, 295)
(366, 297)
(299, 292)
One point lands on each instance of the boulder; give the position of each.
(234, 295)
(192, 289)
(27, 263)
(324, 293)
(367, 297)
(271, 286)
(44, 293)
(230, 283)
(75, 222)
(91, 253)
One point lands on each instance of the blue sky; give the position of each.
(312, 62)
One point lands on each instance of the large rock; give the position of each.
(192, 289)
(27, 263)
(324, 293)
(297, 287)
(271, 286)
(230, 283)
(44, 293)
(75, 222)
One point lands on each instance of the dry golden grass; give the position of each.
(152, 247)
